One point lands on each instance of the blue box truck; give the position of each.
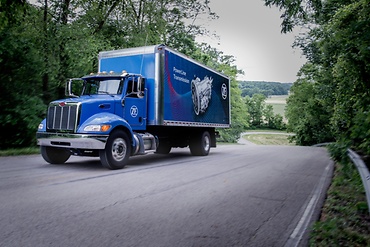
(142, 100)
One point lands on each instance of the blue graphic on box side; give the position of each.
(194, 93)
(191, 93)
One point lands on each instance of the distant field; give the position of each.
(277, 99)
(278, 102)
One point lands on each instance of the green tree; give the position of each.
(20, 87)
(336, 45)
(256, 105)
(308, 118)
(261, 115)
(41, 45)
(269, 116)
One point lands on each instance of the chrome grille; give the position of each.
(62, 117)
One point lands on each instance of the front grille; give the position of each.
(62, 117)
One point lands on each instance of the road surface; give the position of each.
(239, 195)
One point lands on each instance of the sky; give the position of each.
(250, 32)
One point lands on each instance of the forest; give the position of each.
(44, 43)
(330, 101)
(264, 87)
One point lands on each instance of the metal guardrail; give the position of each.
(364, 173)
(361, 167)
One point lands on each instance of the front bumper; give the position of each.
(78, 141)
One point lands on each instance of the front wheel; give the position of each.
(117, 151)
(54, 155)
(200, 145)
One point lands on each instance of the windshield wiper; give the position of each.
(104, 92)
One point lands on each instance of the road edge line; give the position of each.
(297, 235)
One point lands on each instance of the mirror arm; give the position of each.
(68, 89)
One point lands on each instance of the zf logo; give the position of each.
(134, 111)
(224, 91)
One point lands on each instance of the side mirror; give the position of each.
(73, 87)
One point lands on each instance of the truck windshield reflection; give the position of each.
(111, 86)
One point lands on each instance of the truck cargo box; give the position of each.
(181, 91)
(143, 100)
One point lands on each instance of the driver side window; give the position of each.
(135, 87)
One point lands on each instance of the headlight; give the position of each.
(41, 126)
(97, 128)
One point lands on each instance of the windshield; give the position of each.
(102, 86)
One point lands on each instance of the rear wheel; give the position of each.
(200, 144)
(117, 151)
(54, 155)
(163, 148)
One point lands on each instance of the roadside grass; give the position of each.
(280, 138)
(345, 219)
(268, 131)
(20, 151)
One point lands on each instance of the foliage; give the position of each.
(44, 43)
(262, 115)
(345, 218)
(20, 89)
(330, 101)
(336, 77)
(309, 118)
(295, 11)
(266, 88)
(256, 105)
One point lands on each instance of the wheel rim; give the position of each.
(206, 143)
(119, 149)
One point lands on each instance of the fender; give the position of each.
(105, 118)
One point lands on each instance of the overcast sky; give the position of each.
(250, 32)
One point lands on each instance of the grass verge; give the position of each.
(269, 139)
(20, 151)
(345, 219)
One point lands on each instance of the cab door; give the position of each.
(135, 102)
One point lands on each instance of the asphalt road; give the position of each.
(239, 195)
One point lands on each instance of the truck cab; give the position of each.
(99, 106)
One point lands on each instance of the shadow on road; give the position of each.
(142, 161)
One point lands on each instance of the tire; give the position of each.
(163, 148)
(117, 151)
(200, 145)
(54, 155)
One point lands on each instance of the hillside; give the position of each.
(263, 87)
